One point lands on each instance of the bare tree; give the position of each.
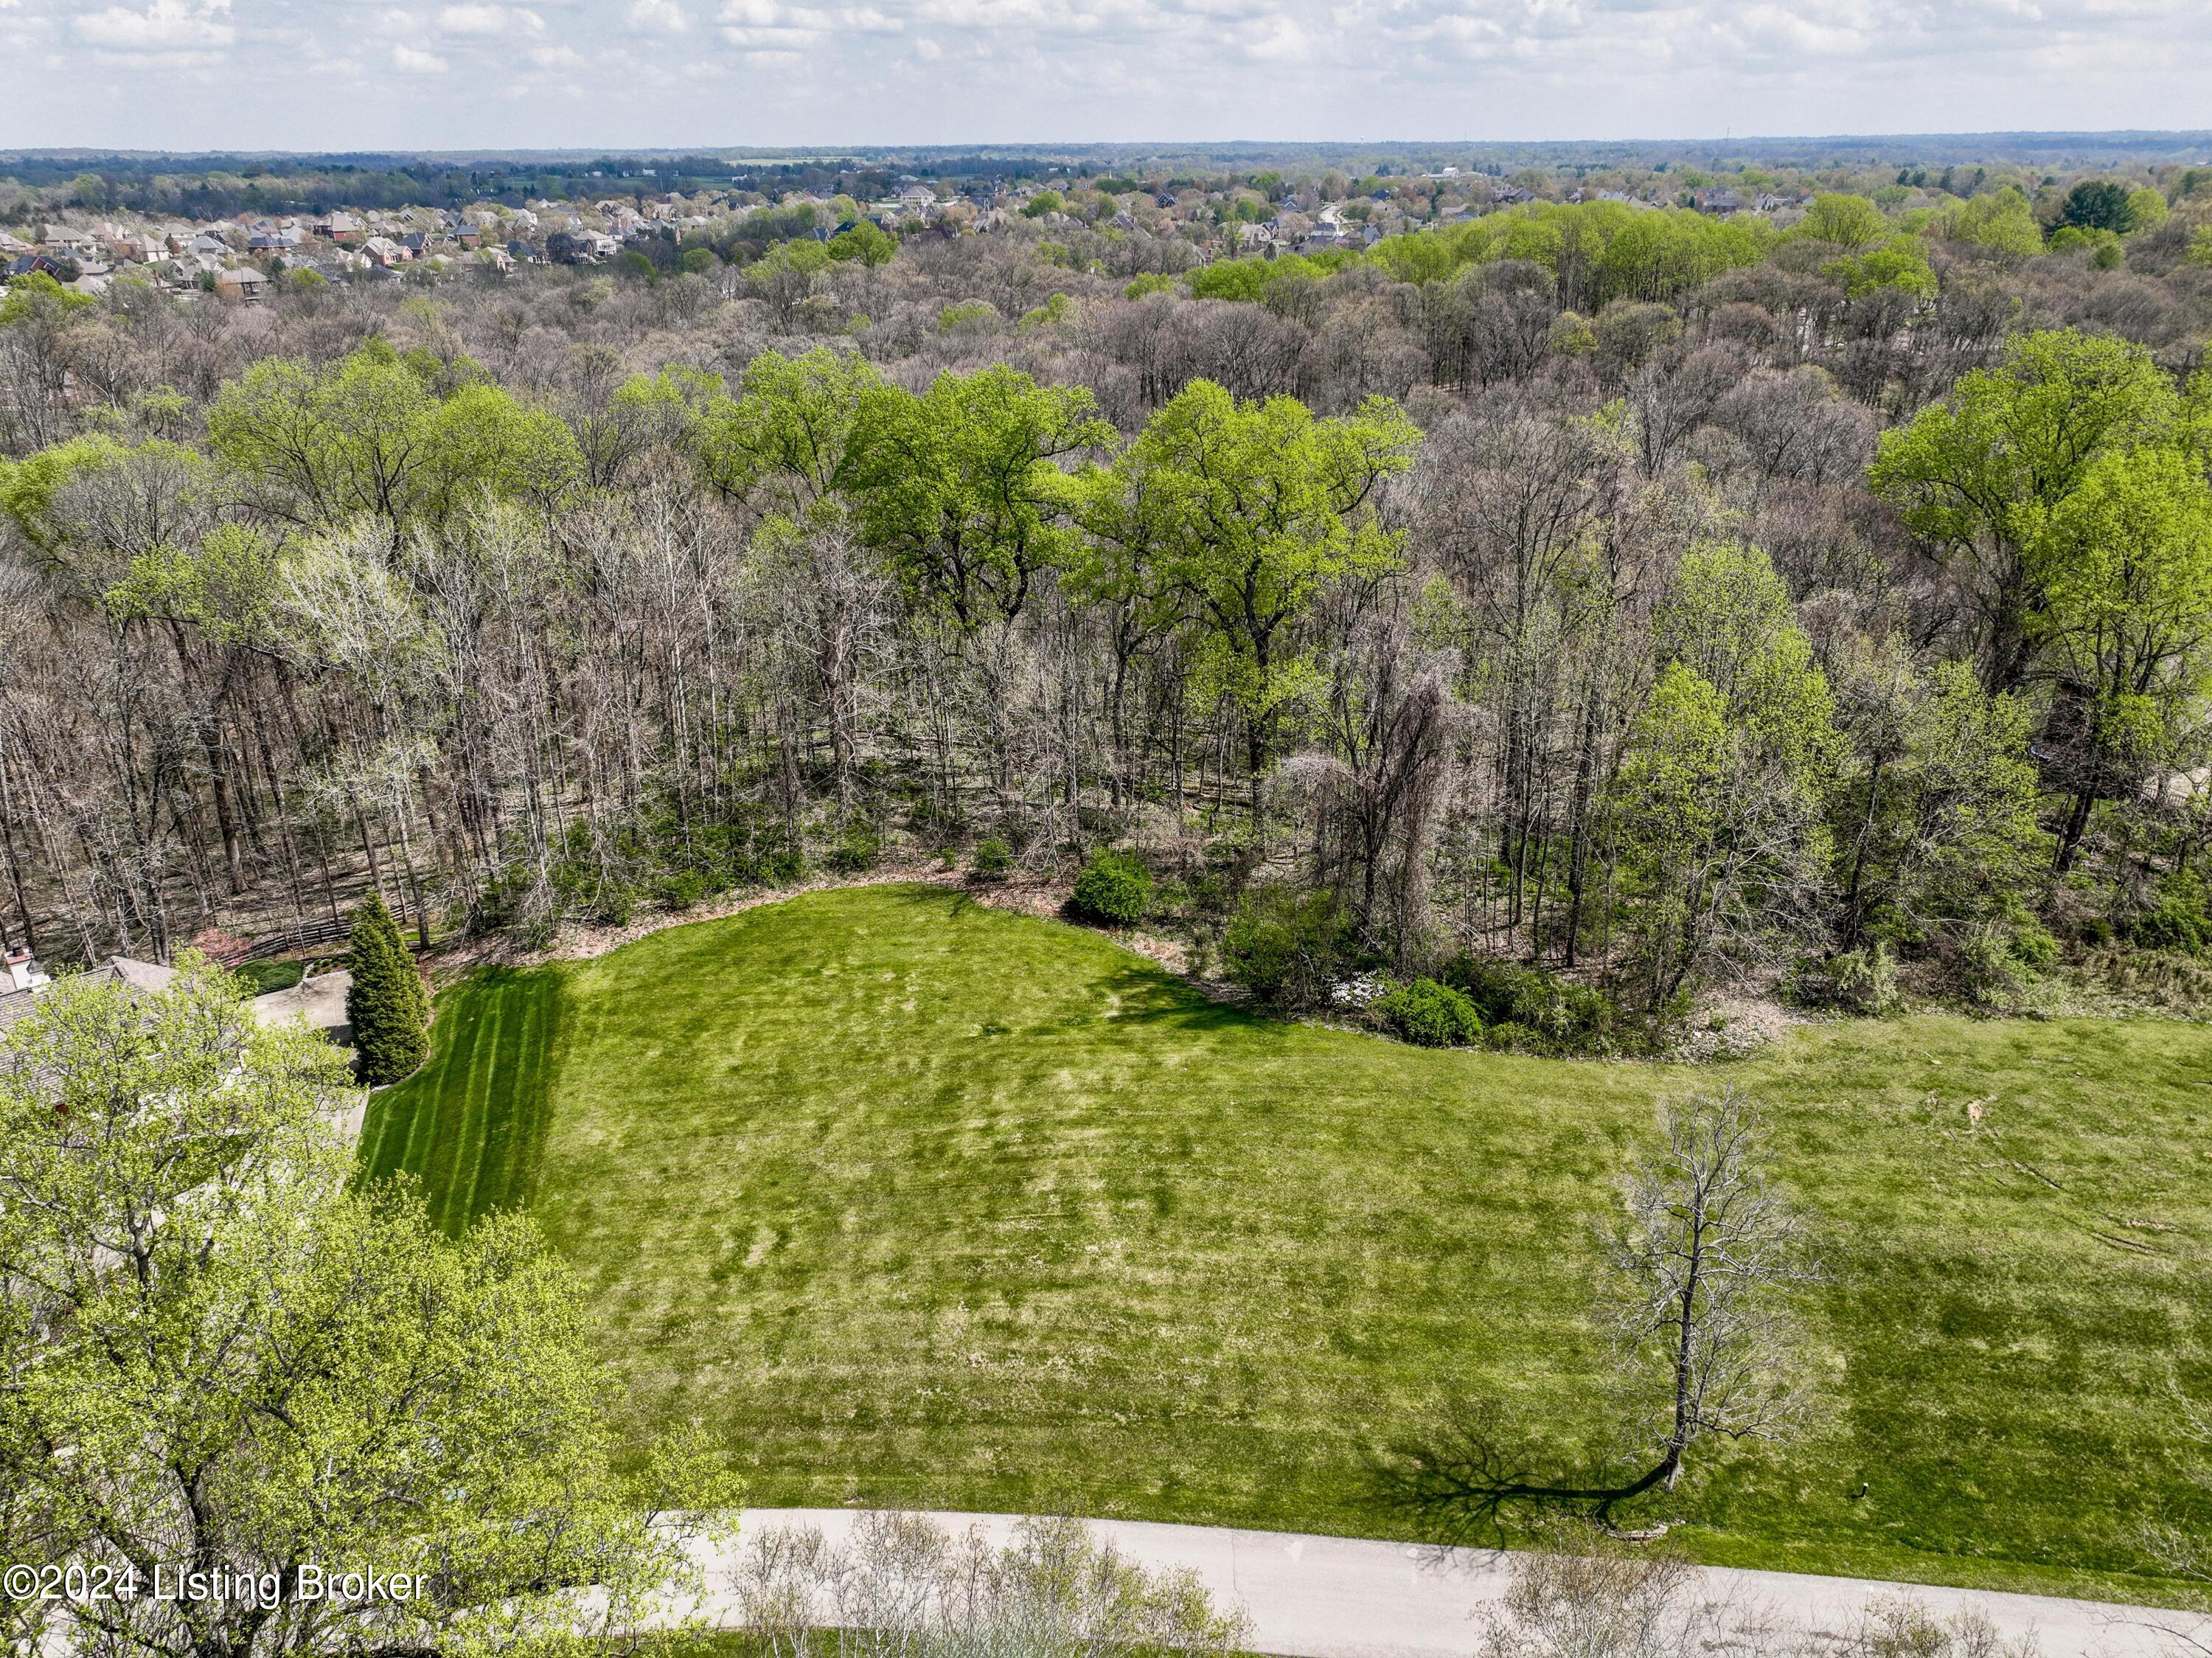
(1710, 1249)
(1700, 1319)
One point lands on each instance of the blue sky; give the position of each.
(336, 74)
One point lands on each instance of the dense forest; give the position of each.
(1589, 606)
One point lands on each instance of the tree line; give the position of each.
(1738, 624)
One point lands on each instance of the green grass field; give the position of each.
(470, 1124)
(918, 1201)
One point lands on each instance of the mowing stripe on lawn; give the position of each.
(470, 1125)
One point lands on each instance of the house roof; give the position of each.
(149, 976)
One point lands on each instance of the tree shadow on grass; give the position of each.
(1146, 994)
(1150, 995)
(1474, 1477)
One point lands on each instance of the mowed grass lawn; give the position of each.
(915, 1201)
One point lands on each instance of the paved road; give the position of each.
(1334, 1597)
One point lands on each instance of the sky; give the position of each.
(320, 74)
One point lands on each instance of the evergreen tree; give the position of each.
(390, 1015)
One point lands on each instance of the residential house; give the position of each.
(337, 226)
(243, 286)
(25, 981)
(65, 241)
(384, 252)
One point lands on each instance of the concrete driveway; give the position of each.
(321, 1001)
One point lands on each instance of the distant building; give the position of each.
(243, 286)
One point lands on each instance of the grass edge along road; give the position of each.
(921, 1202)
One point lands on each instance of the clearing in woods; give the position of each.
(922, 1203)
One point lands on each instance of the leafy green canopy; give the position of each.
(213, 1353)
(962, 491)
(1982, 474)
(406, 439)
(1596, 251)
(1245, 511)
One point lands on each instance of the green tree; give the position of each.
(216, 1355)
(1717, 810)
(2147, 208)
(36, 296)
(962, 491)
(1250, 509)
(386, 1004)
(785, 442)
(1936, 826)
(1981, 474)
(2002, 224)
(783, 278)
(866, 242)
(1849, 223)
(2099, 204)
(2125, 567)
(1901, 263)
(315, 445)
(1727, 616)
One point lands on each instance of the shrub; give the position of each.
(2177, 921)
(993, 858)
(1428, 1014)
(1115, 888)
(683, 889)
(1570, 1018)
(1285, 946)
(859, 851)
(386, 1004)
(1862, 980)
(2035, 945)
(1509, 1038)
(1994, 973)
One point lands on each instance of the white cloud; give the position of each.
(1281, 41)
(166, 28)
(760, 26)
(490, 23)
(1125, 69)
(656, 17)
